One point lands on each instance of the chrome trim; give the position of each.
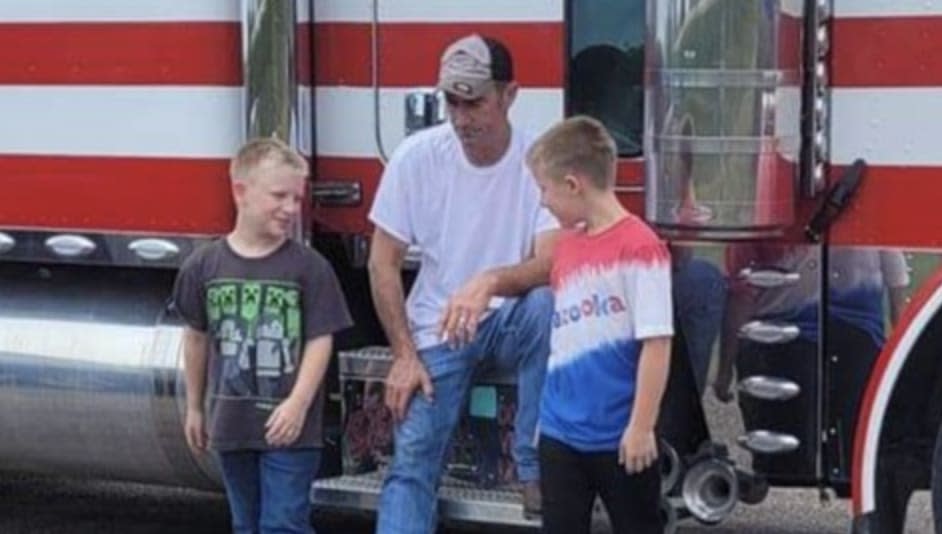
(722, 132)
(270, 67)
(761, 78)
(815, 128)
(91, 383)
(154, 249)
(768, 442)
(271, 91)
(768, 278)
(769, 333)
(70, 245)
(710, 490)
(714, 145)
(374, 362)
(337, 193)
(629, 189)
(106, 249)
(457, 500)
(6, 242)
(424, 108)
(769, 388)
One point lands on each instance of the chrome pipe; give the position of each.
(91, 378)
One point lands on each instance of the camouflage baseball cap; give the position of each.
(471, 65)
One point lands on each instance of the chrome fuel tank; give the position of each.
(91, 379)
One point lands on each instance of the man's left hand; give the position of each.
(464, 310)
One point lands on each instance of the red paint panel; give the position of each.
(347, 219)
(895, 206)
(158, 53)
(409, 52)
(303, 51)
(887, 52)
(115, 194)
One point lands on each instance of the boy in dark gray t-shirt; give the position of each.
(260, 311)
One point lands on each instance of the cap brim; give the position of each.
(465, 89)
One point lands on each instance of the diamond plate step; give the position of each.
(458, 501)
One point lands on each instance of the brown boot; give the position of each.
(532, 499)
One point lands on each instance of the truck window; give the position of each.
(606, 67)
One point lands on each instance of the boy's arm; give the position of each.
(287, 420)
(638, 446)
(194, 371)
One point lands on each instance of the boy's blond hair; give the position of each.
(579, 145)
(265, 152)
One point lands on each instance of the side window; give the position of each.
(606, 67)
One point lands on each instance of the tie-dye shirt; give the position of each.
(612, 290)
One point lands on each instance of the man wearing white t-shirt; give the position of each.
(462, 193)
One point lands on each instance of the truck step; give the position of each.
(458, 500)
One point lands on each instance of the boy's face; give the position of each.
(269, 200)
(561, 196)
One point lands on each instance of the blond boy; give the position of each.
(260, 310)
(610, 343)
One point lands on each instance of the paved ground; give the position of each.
(42, 505)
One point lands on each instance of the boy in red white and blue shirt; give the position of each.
(610, 341)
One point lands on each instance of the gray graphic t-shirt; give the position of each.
(258, 314)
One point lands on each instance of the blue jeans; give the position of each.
(515, 336)
(269, 491)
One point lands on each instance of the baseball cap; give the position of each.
(471, 65)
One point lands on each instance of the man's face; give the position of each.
(479, 123)
(270, 198)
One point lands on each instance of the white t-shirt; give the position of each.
(464, 219)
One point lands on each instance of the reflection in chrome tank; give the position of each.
(722, 106)
(90, 376)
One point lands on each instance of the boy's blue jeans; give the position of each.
(515, 336)
(269, 491)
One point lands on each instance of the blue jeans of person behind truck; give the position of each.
(269, 491)
(514, 336)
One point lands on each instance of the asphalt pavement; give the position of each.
(31, 504)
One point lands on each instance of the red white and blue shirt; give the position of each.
(612, 291)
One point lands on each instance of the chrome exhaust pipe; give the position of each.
(710, 490)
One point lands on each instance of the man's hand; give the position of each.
(637, 450)
(459, 323)
(285, 423)
(194, 429)
(406, 375)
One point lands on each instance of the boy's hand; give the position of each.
(285, 423)
(194, 429)
(460, 320)
(638, 450)
(406, 375)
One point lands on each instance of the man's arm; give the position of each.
(463, 312)
(287, 420)
(195, 349)
(387, 255)
(407, 372)
(638, 447)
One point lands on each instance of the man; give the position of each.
(462, 193)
